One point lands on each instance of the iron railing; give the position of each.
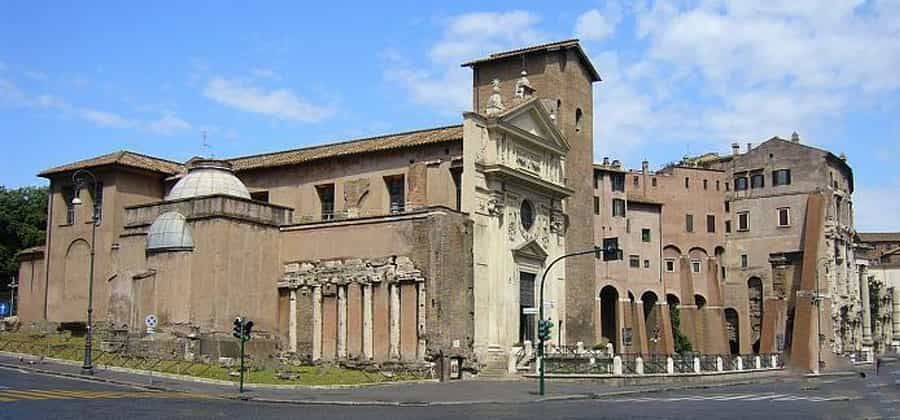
(656, 364)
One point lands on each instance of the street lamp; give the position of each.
(80, 178)
(12, 295)
(541, 337)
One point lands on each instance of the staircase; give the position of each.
(496, 364)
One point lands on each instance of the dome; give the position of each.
(208, 177)
(170, 232)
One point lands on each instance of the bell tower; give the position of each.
(562, 76)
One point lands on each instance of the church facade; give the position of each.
(407, 246)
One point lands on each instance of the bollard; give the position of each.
(758, 362)
(639, 366)
(720, 365)
(579, 347)
(774, 361)
(696, 364)
(670, 366)
(739, 362)
(617, 366)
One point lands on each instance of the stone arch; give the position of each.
(698, 252)
(75, 280)
(755, 296)
(609, 305)
(672, 299)
(671, 251)
(732, 324)
(649, 300)
(699, 300)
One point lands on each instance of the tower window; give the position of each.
(326, 200)
(578, 119)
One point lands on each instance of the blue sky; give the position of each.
(683, 77)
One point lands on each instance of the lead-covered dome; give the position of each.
(170, 232)
(208, 177)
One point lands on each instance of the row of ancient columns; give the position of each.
(347, 328)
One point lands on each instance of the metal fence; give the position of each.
(709, 362)
(579, 365)
(655, 364)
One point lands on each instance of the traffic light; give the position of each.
(248, 326)
(238, 330)
(544, 329)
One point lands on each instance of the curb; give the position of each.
(381, 403)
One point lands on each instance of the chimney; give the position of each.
(735, 149)
(795, 137)
(749, 146)
(644, 166)
(605, 161)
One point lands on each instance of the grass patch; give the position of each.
(64, 346)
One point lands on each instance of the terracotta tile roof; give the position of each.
(122, 158)
(550, 46)
(879, 236)
(366, 145)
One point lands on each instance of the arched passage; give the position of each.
(652, 320)
(732, 323)
(700, 301)
(609, 301)
(755, 295)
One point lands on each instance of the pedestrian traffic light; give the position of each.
(248, 326)
(544, 329)
(238, 330)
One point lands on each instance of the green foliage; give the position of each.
(23, 220)
(682, 344)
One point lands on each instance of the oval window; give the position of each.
(526, 213)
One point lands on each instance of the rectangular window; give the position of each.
(727, 206)
(727, 188)
(98, 201)
(711, 223)
(597, 177)
(68, 194)
(670, 265)
(618, 182)
(743, 221)
(705, 184)
(618, 207)
(646, 263)
(687, 183)
(596, 205)
(757, 181)
(723, 272)
(326, 200)
(740, 183)
(728, 226)
(695, 266)
(784, 217)
(653, 181)
(717, 185)
(396, 186)
(636, 180)
(645, 235)
(744, 261)
(627, 225)
(260, 196)
(689, 223)
(781, 177)
(634, 261)
(456, 174)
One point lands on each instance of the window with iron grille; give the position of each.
(396, 186)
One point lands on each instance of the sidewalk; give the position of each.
(397, 394)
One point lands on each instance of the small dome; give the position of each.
(170, 232)
(208, 177)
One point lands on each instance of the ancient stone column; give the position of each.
(368, 348)
(866, 310)
(420, 320)
(292, 322)
(395, 321)
(896, 317)
(342, 322)
(317, 323)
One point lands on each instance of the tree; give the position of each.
(23, 220)
(682, 344)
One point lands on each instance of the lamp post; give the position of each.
(596, 250)
(79, 178)
(13, 285)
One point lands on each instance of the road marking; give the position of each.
(11, 395)
(736, 397)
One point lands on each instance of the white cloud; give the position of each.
(877, 207)
(594, 26)
(168, 125)
(265, 73)
(103, 118)
(280, 103)
(440, 82)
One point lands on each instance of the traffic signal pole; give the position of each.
(241, 388)
(541, 337)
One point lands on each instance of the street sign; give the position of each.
(151, 321)
(4, 309)
(529, 311)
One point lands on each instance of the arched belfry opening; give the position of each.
(609, 301)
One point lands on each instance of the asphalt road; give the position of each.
(31, 396)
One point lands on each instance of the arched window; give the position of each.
(578, 118)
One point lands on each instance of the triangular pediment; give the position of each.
(531, 250)
(532, 121)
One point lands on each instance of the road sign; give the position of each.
(4, 309)
(529, 311)
(151, 321)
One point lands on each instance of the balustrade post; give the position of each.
(720, 365)
(639, 366)
(670, 366)
(758, 362)
(617, 366)
(739, 361)
(696, 364)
